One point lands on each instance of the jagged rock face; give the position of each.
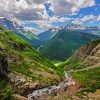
(3, 67)
(21, 84)
(85, 51)
(89, 54)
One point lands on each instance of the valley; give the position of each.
(49, 49)
(48, 65)
(29, 74)
(22, 65)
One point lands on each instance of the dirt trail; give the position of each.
(88, 68)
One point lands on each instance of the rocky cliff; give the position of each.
(89, 54)
(84, 66)
(86, 56)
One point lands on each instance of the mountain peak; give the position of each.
(72, 26)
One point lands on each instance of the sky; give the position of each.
(40, 15)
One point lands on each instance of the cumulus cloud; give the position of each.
(57, 19)
(24, 11)
(43, 24)
(33, 30)
(61, 7)
(23, 8)
(86, 18)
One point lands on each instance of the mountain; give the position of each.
(91, 31)
(47, 35)
(64, 43)
(20, 31)
(85, 29)
(72, 26)
(22, 66)
(87, 55)
(85, 65)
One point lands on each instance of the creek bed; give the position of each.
(36, 94)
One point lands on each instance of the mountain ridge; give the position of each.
(64, 43)
(20, 31)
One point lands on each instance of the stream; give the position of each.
(36, 94)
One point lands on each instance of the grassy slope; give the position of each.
(64, 43)
(90, 79)
(6, 91)
(83, 71)
(24, 59)
(81, 58)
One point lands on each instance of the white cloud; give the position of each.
(86, 18)
(24, 11)
(33, 30)
(61, 19)
(61, 7)
(98, 17)
(22, 8)
(43, 24)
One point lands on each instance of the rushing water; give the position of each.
(50, 89)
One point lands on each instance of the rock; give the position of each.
(16, 46)
(89, 54)
(18, 97)
(3, 66)
(51, 90)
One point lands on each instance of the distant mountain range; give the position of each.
(80, 27)
(56, 43)
(85, 29)
(47, 35)
(64, 43)
(20, 31)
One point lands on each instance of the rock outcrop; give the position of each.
(89, 54)
(3, 66)
(86, 56)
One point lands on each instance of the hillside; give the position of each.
(20, 31)
(23, 66)
(85, 65)
(64, 43)
(87, 55)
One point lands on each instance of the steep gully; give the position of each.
(51, 89)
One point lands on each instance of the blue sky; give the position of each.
(40, 15)
(95, 11)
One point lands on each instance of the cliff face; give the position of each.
(86, 66)
(89, 54)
